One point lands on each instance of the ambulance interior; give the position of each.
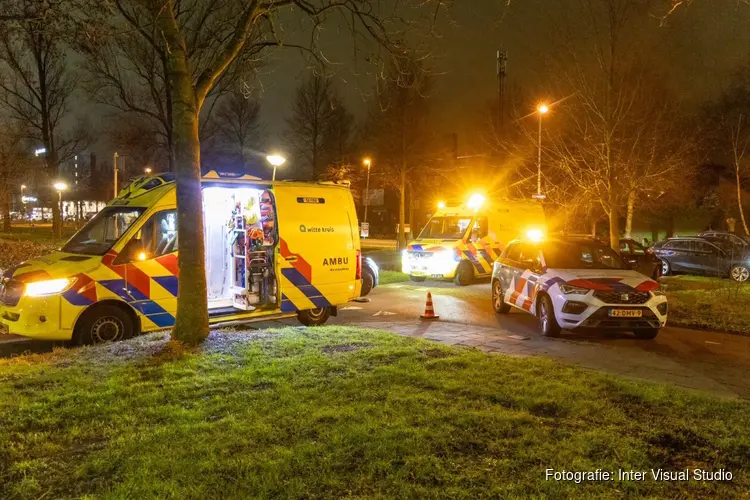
(240, 237)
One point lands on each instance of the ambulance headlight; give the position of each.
(48, 287)
(445, 256)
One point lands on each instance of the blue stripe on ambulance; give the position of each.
(474, 261)
(139, 302)
(416, 248)
(286, 304)
(76, 298)
(168, 282)
(486, 256)
(312, 293)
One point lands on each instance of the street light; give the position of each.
(542, 110)
(367, 163)
(147, 170)
(276, 161)
(60, 186)
(40, 151)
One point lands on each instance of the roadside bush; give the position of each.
(14, 252)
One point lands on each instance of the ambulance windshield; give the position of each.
(103, 231)
(445, 228)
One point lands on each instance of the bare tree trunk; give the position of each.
(169, 112)
(614, 225)
(191, 324)
(629, 215)
(739, 197)
(594, 223)
(402, 210)
(670, 226)
(411, 208)
(6, 211)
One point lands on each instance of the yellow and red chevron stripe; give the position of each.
(297, 291)
(482, 254)
(150, 287)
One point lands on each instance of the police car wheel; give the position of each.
(103, 323)
(740, 273)
(547, 322)
(314, 317)
(417, 279)
(646, 333)
(498, 298)
(464, 274)
(368, 280)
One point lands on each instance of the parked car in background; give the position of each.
(370, 275)
(640, 258)
(703, 256)
(726, 236)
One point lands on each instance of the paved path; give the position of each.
(709, 361)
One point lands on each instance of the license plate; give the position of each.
(626, 313)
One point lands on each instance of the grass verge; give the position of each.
(333, 412)
(387, 277)
(708, 303)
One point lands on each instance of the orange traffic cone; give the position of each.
(429, 312)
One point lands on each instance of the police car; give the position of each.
(576, 284)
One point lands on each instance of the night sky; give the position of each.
(700, 46)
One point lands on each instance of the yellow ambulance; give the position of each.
(462, 241)
(273, 250)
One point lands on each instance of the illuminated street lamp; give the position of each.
(147, 170)
(367, 162)
(542, 110)
(40, 151)
(60, 187)
(276, 161)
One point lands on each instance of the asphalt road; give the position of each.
(710, 361)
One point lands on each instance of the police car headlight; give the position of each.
(47, 287)
(573, 290)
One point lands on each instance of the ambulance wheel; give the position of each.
(103, 323)
(368, 280)
(314, 317)
(548, 325)
(498, 298)
(464, 274)
(417, 279)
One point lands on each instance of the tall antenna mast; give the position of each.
(502, 72)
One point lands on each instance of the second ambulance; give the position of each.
(461, 242)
